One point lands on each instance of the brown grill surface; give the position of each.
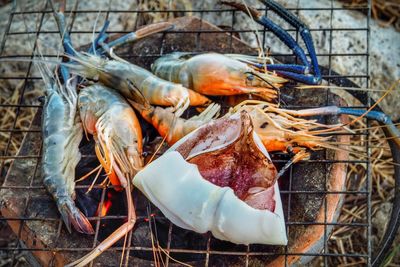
(34, 217)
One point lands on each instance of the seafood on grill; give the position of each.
(307, 72)
(134, 82)
(221, 179)
(224, 176)
(62, 133)
(217, 178)
(117, 132)
(216, 74)
(171, 127)
(290, 131)
(281, 130)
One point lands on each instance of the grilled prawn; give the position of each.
(130, 80)
(216, 74)
(280, 130)
(116, 129)
(289, 130)
(172, 127)
(117, 132)
(62, 133)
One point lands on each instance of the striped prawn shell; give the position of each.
(106, 115)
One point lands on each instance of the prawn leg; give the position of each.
(133, 36)
(101, 37)
(301, 155)
(141, 33)
(66, 39)
(373, 115)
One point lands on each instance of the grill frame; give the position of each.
(329, 76)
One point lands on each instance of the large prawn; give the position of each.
(116, 129)
(216, 74)
(291, 131)
(281, 130)
(131, 80)
(117, 132)
(62, 133)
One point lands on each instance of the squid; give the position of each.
(220, 179)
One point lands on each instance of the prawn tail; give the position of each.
(197, 99)
(72, 215)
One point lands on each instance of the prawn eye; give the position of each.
(250, 77)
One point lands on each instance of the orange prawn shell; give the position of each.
(129, 119)
(105, 114)
(214, 74)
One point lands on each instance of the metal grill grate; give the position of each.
(43, 12)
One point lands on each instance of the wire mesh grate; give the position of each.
(209, 253)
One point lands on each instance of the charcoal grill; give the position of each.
(20, 173)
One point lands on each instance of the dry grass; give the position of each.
(353, 240)
(9, 120)
(10, 95)
(386, 12)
